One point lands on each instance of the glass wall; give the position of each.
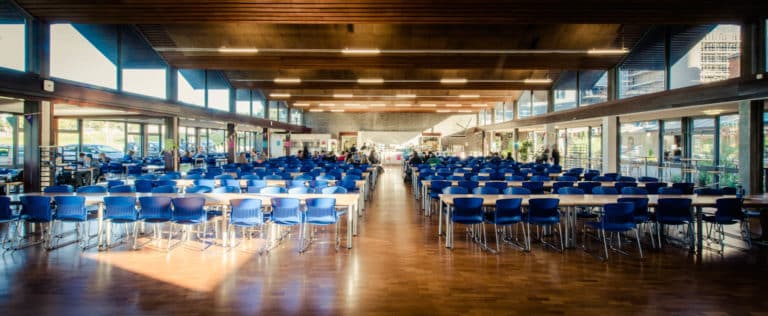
(565, 91)
(187, 139)
(7, 129)
(499, 112)
(104, 136)
(217, 141)
(143, 71)
(273, 110)
(282, 112)
(218, 91)
(297, 116)
(639, 148)
(729, 150)
(593, 87)
(13, 43)
(524, 105)
(577, 147)
(596, 146)
(154, 139)
(243, 102)
(705, 53)
(257, 104)
(191, 86)
(84, 53)
(540, 101)
(642, 72)
(134, 141)
(22, 125)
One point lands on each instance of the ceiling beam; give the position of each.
(270, 85)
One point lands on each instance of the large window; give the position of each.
(540, 101)
(499, 115)
(297, 117)
(639, 146)
(643, 70)
(217, 141)
(243, 102)
(104, 136)
(134, 140)
(593, 87)
(218, 91)
(282, 112)
(84, 53)
(576, 147)
(191, 86)
(596, 143)
(704, 54)
(565, 91)
(257, 104)
(13, 42)
(143, 71)
(7, 129)
(524, 106)
(273, 110)
(154, 139)
(729, 150)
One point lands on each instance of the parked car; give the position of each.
(94, 150)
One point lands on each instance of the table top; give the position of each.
(347, 199)
(597, 200)
(547, 184)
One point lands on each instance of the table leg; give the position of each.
(699, 233)
(350, 222)
(100, 228)
(440, 219)
(355, 220)
(448, 230)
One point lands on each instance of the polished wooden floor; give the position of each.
(398, 265)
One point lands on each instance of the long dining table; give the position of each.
(348, 201)
(570, 202)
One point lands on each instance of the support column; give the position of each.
(145, 140)
(231, 142)
(751, 145)
(172, 139)
(610, 144)
(37, 131)
(551, 135)
(516, 141)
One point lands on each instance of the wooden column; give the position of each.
(751, 145)
(172, 139)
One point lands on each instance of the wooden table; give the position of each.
(8, 184)
(348, 201)
(587, 200)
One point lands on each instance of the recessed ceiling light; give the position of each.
(537, 80)
(453, 80)
(465, 111)
(370, 81)
(427, 105)
(479, 105)
(469, 96)
(712, 112)
(453, 105)
(316, 110)
(444, 111)
(238, 50)
(301, 104)
(361, 51)
(378, 105)
(327, 104)
(351, 104)
(287, 80)
(611, 51)
(405, 96)
(280, 95)
(342, 95)
(337, 110)
(402, 104)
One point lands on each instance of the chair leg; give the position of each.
(639, 246)
(560, 232)
(605, 244)
(496, 233)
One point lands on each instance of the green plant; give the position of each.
(525, 148)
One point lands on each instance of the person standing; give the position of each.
(555, 155)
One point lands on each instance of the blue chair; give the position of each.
(604, 190)
(287, 212)
(246, 214)
(198, 189)
(611, 175)
(111, 183)
(728, 212)
(640, 213)
(485, 190)
(333, 190)
(708, 191)
(59, 189)
(326, 177)
(36, 210)
(6, 219)
(517, 191)
(121, 189)
(479, 178)
(155, 211)
(295, 183)
(211, 183)
(515, 178)
(567, 178)
(540, 178)
(121, 210)
(507, 212)
(164, 189)
(674, 211)
(92, 189)
(621, 185)
(536, 187)
(227, 189)
(634, 190)
(685, 187)
(321, 211)
(71, 209)
(570, 191)
(500, 185)
(150, 176)
(350, 185)
(625, 179)
(190, 211)
(144, 186)
(468, 211)
(648, 179)
(194, 176)
(469, 184)
(250, 177)
(273, 190)
(257, 185)
(669, 191)
(728, 190)
(299, 190)
(588, 186)
(617, 218)
(435, 188)
(231, 183)
(273, 177)
(653, 187)
(543, 212)
(170, 175)
(602, 179)
(561, 184)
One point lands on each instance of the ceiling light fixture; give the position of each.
(378, 105)
(427, 105)
(237, 50)
(361, 51)
(712, 112)
(287, 80)
(370, 81)
(316, 110)
(327, 104)
(342, 95)
(453, 80)
(453, 105)
(609, 51)
(405, 96)
(280, 95)
(351, 104)
(469, 96)
(465, 111)
(534, 81)
(337, 110)
(479, 105)
(401, 105)
(444, 111)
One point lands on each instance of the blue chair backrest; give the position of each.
(273, 177)
(611, 175)
(604, 190)
(189, 209)
(149, 176)
(728, 209)
(621, 185)
(164, 189)
(285, 211)
(250, 177)
(455, 190)
(295, 183)
(515, 178)
(325, 177)
(59, 189)
(170, 175)
(122, 189)
(543, 207)
(708, 191)
(5, 208)
(205, 182)
(648, 179)
(485, 190)
(467, 210)
(561, 184)
(567, 178)
(669, 191)
(621, 213)
(333, 190)
(517, 191)
(480, 178)
(728, 190)
(634, 190)
(625, 179)
(246, 212)
(144, 186)
(500, 185)
(640, 205)
(71, 208)
(601, 179)
(36, 208)
(305, 177)
(540, 178)
(570, 191)
(321, 211)
(685, 187)
(507, 211)
(121, 208)
(317, 184)
(156, 208)
(111, 183)
(227, 189)
(194, 176)
(536, 187)
(273, 190)
(653, 187)
(437, 186)
(231, 183)
(199, 189)
(468, 184)
(673, 209)
(298, 190)
(92, 189)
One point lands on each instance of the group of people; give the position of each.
(547, 155)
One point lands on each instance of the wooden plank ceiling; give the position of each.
(493, 47)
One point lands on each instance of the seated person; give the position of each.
(128, 156)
